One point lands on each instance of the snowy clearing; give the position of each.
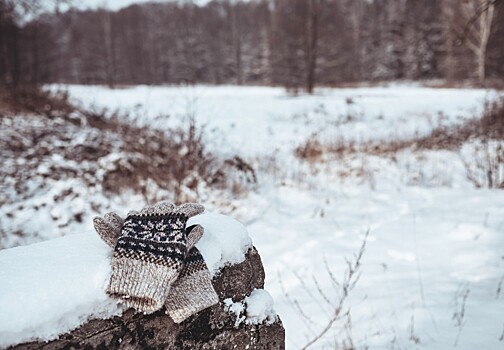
(433, 268)
(260, 121)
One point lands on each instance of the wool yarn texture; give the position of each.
(155, 263)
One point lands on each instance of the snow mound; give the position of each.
(50, 288)
(226, 241)
(260, 307)
(255, 309)
(54, 286)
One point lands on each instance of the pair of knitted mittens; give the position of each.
(155, 262)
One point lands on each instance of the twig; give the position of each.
(296, 306)
(351, 275)
(499, 287)
(459, 314)
(331, 275)
(322, 294)
(308, 291)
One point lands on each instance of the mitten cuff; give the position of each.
(193, 291)
(180, 304)
(141, 284)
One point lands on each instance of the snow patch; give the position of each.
(226, 241)
(257, 308)
(52, 287)
(406, 256)
(238, 309)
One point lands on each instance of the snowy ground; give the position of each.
(433, 267)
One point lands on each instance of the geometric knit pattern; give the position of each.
(159, 239)
(192, 291)
(193, 263)
(147, 259)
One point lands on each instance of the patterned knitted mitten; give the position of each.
(149, 254)
(193, 290)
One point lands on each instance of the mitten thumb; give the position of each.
(194, 233)
(108, 228)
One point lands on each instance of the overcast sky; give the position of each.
(110, 4)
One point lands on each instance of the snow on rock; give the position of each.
(235, 308)
(226, 241)
(50, 288)
(260, 308)
(257, 308)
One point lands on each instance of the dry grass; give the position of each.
(489, 127)
(111, 154)
(312, 150)
(478, 142)
(31, 99)
(485, 164)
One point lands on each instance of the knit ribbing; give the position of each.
(140, 284)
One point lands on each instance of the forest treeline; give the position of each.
(292, 43)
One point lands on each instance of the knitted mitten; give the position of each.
(192, 291)
(149, 254)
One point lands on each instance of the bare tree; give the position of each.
(298, 44)
(343, 288)
(311, 42)
(108, 47)
(237, 40)
(471, 20)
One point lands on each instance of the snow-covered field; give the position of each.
(263, 121)
(433, 267)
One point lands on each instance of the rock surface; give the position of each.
(212, 328)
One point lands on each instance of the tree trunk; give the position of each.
(15, 58)
(35, 56)
(477, 37)
(312, 44)
(3, 52)
(485, 29)
(481, 58)
(237, 43)
(107, 41)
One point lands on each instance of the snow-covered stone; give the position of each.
(50, 288)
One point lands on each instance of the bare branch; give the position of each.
(352, 274)
(486, 6)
